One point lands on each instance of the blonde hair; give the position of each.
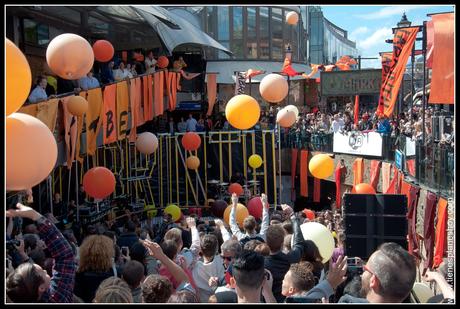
(96, 253)
(113, 290)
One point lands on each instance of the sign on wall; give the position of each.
(358, 143)
(355, 82)
(410, 147)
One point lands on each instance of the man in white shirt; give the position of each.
(150, 63)
(122, 73)
(337, 124)
(191, 124)
(39, 93)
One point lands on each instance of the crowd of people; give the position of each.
(198, 260)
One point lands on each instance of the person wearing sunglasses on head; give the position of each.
(388, 276)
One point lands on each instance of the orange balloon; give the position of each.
(77, 105)
(363, 188)
(191, 141)
(162, 62)
(235, 188)
(242, 112)
(193, 162)
(18, 78)
(241, 214)
(31, 151)
(99, 182)
(70, 56)
(286, 118)
(147, 143)
(292, 18)
(103, 50)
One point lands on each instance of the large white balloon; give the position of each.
(321, 236)
(285, 118)
(147, 143)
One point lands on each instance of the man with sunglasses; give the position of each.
(388, 276)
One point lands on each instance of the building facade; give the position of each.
(327, 42)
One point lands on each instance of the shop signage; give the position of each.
(358, 143)
(338, 83)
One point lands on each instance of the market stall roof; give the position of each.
(227, 68)
(183, 33)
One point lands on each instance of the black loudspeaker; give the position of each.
(371, 220)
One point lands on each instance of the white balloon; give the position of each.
(321, 236)
(147, 143)
(286, 118)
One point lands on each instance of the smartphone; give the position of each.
(125, 251)
(354, 261)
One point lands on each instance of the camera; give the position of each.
(354, 266)
(10, 244)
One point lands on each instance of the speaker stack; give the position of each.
(373, 219)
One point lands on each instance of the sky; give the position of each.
(369, 26)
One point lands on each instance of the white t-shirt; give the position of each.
(120, 75)
(201, 274)
(150, 65)
(337, 125)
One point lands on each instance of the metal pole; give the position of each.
(412, 77)
(289, 86)
(424, 82)
(359, 62)
(279, 160)
(76, 190)
(250, 85)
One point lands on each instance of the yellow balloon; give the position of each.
(241, 213)
(174, 211)
(321, 166)
(18, 78)
(242, 112)
(77, 105)
(255, 161)
(321, 236)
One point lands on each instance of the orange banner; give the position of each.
(304, 173)
(135, 102)
(442, 78)
(429, 44)
(122, 109)
(386, 64)
(151, 111)
(441, 233)
(356, 110)
(211, 87)
(403, 42)
(358, 171)
(70, 125)
(145, 97)
(109, 119)
(93, 119)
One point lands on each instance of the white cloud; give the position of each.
(360, 30)
(389, 11)
(377, 38)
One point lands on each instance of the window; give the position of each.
(264, 33)
(251, 22)
(30, 31)
(237, 22)
(223, 23)
(43, 34)
(277, 41)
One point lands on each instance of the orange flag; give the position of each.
(211, 87)
(386, 64)
(402, 47)
(251, 73)
(109, 119)
(136, 112)
(145, 97)
(356, 110)
(122, 109)
(29, 110)
(47, 113)
(151, 110)
(161, 94)
(441, 226)
(94, 116)
(70, 124)
(329, 68)
(429, 44)
(358, 171)
(442, 78)
(314, 70)
(386, 169)
(343, 66)
(304, 173)
(405, 189)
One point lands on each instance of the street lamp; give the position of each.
(404, 22)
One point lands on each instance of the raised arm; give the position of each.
(296, 253)
(225, 234)
(195, 247)
(176, 271)
(233, 225)
(265, 215)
